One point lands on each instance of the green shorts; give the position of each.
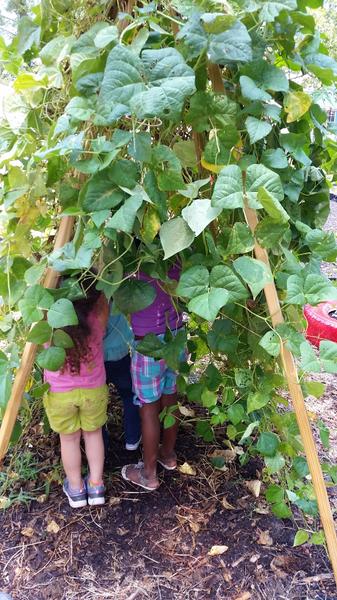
(81, 408)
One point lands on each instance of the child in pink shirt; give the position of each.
(76, 403)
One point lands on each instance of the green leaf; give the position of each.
(328, 355)
(324, 434)
(301, 537)
(297, 144)
(275, 463)
(228, 190)
(272, 8)
(140, 147)
(266, 75)
(309, 361)
(296, 104)
(150, 345)
(62, 339)
(270, 342)
(311, 289)
(253, 272)
(40, 333)
(175, 235)
(208, 305)
(80, 109)
(36, 300)
(220, 338)
(208, 110)
(251, 91)
(208, 399)
(105, 36)
(34, 274)
(51, 358)
(219, 147)
(269, 233)
(236, 414)
(222, 276)
(125, 216)
(111, 279)
(281, 510)
(185, 151)
(272, 206)
(28, 35)
(318, 538)
(274, 494)
(248, 431)
(100, 194)
(193, 282)
(322, 243)
(62, 314)
(199, 214)
(256, 401)
(258, 177)
(134, 295)
(240, 239)
(315, 388)
(274, 159)
(268, 443)
(301, 466)
(257, 129)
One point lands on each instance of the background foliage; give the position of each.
(105, 126)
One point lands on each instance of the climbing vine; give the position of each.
(121, 128)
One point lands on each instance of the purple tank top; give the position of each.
(162, 313)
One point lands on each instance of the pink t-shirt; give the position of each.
(162, 313)
(92, 373)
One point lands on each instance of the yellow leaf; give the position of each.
(186, 469)
(42, 498)
(296, 104)
(4, 502)
(211, 167)
(227, 505)
(254, 486)
(53, 527)
(216, 550)
(27, 532)
(265, 539)
(151, 224)
(186, 412)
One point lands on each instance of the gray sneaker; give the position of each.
(77, 498)
(96, 493)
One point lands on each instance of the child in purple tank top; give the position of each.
(76, 403)
(154, 386)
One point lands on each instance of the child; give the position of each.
(154, 385)
(117, 341)
(76, 402)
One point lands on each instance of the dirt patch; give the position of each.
(156, 545)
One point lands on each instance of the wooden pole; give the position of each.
(28, 356)
(291, 375)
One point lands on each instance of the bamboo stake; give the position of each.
(291, 374)
(28, 356)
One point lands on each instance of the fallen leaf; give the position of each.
(27, 532)
(227, 505)
(244, 596)
(53, 527)
(254, 486)
(254, 558)
(114, 501)
(185, 411)
(4, 502)
(122, 531)
(216, 550)
(42, 498)
(228, 455)
(186, 469)
(275, 566)
(238, 561)
(194, 526)
(265, 539)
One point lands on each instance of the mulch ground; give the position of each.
(155, 545)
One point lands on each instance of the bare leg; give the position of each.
(94, 449)
(71, 458)
(149, 414)
(167, 449)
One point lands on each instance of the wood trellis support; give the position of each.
(28, 356)
(290, 371)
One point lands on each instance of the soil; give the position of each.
(156, 545)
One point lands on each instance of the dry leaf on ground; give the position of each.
(53, 527)
(254, 486)
(244, 596)
(265, 539)
(227, 504)
(185, 411)
(216, 550)
(27, 531)
(4, 502)
(186, 469)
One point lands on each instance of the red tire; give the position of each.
(321, 324)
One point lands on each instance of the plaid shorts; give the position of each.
(152, 378)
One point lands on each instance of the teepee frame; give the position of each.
(289, 367)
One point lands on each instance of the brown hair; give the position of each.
(81, 351)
